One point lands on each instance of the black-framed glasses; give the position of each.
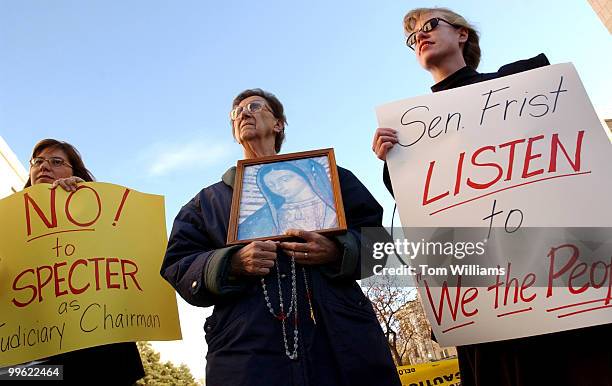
(428, 26)
(54, 162)
(252, 107)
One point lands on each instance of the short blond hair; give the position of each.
(471, 48)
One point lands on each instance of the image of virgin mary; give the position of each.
(298, 195)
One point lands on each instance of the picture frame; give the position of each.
(295, 190)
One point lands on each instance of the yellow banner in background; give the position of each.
(81, 269)
(428, 374)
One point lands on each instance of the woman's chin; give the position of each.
(43, 180)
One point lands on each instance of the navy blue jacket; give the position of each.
(346, 346)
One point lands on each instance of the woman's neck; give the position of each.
(256, 149)
(448, 67)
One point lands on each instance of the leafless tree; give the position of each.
(401, 317)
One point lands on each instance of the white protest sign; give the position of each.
(521, 151)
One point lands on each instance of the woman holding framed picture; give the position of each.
(287, 306)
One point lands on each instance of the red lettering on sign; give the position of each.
(36, 280)
(578, 279)
(67, 207)
(504, 165)
(29, 201)
(454, 305)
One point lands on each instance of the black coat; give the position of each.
(346, 346)
(112, 364)
(579, 357)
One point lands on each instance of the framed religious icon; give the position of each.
(288, 191)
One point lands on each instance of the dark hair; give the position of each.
(471, 48)
(275, 105)
(74, 158)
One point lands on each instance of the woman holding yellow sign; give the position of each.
(60, 164)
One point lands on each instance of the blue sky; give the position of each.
(143, 88)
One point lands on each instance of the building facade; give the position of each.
(603, 9)
(422, 348)
(13, 174)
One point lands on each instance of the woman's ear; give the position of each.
(278, 127)
(463, 35)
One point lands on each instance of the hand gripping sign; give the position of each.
(525, 159)
(81, 269)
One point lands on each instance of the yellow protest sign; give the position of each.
(81, 269)
(428, 374)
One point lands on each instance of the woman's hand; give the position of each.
(384, 140)
(317, 249)
(69, 184)
(256, 259)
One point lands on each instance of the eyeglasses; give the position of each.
(252, 107)
(54, 162)
(428, 26)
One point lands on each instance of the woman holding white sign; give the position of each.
(60, 164)
(447, 46)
